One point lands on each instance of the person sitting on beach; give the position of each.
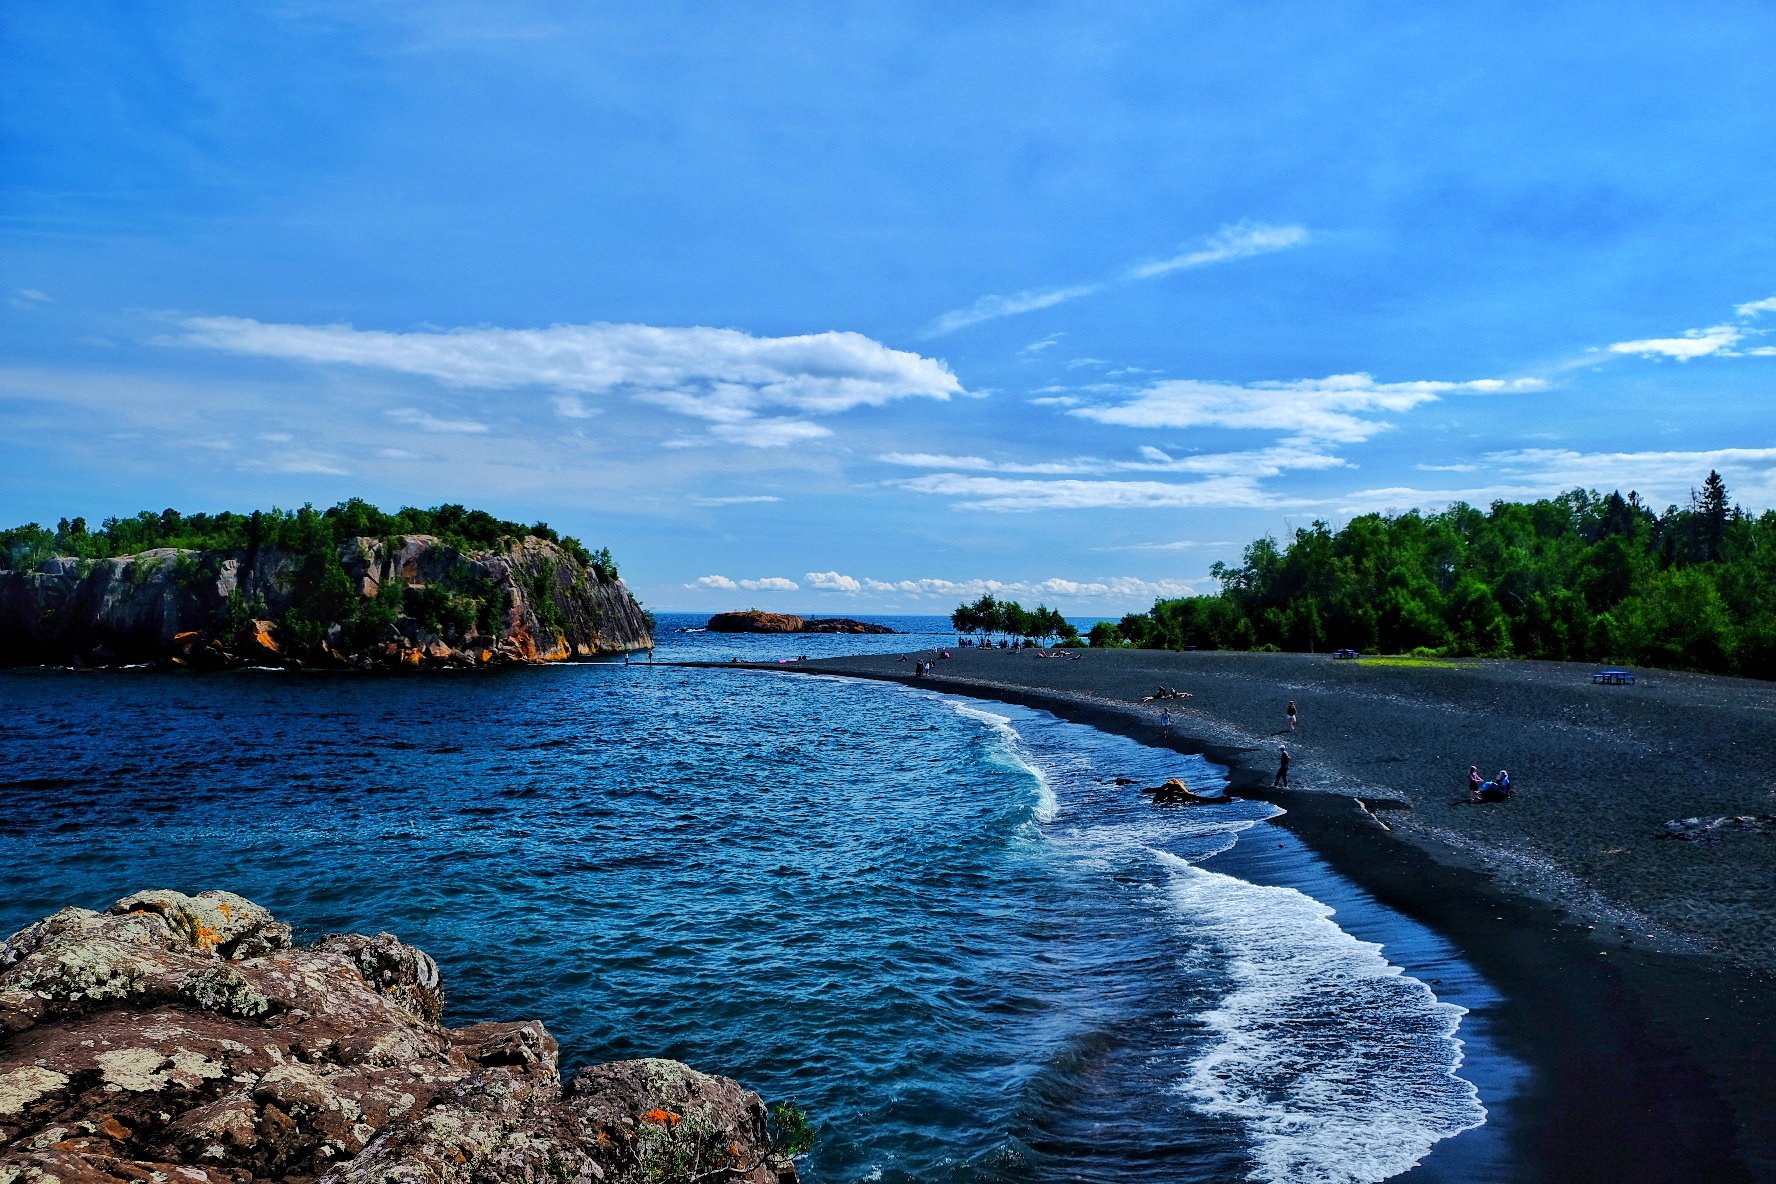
(1503, 781)
(1475, 780)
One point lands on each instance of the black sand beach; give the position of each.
(1640, 971)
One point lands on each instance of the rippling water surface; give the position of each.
(936, 923)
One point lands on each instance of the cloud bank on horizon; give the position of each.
(1084, 284)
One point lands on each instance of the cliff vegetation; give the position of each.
(351, 586)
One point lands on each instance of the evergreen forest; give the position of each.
(1578, 577)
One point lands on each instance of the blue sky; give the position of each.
(871, 308)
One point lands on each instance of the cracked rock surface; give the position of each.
(176, 1038)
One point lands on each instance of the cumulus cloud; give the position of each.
(832, 581)
(424, 421)
(1337, 408)
(765, 584)
(1235, 241)
(722, 376)
(1755, 307)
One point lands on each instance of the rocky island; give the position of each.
(349, 588)
(185, 1038)
(753, 621)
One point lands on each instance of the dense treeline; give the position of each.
(304, 531)
(1578, 577)
(1010, 619)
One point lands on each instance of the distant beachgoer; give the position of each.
(1165, 719)
(1474, 780)
(1290, 713)
(1282, 777)
(1503, 781)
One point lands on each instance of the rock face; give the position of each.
(757, 622)
(183, 1039)
(412, 601)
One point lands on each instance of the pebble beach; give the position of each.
(1638, 948)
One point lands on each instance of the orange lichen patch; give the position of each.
(662, 1116)
(203, 937)
(604, 1140)
(226, 909)
(112, 1129)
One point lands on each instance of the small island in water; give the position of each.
(351, 587)
(754, 621)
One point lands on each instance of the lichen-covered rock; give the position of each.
(412, 601)
(184, 1038)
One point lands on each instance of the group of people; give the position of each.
(1482, 790)
(1165, 692)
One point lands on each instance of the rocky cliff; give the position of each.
(411, 601)
(753, 621)
(183, 1038)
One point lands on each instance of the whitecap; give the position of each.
(1338, 1067)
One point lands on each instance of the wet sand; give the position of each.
(1639, 971)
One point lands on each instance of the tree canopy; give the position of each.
(989, 615)
(303, 531)
(1580, 577)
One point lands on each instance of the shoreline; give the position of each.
(1649, 1055)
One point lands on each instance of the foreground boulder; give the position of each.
(184, 1039)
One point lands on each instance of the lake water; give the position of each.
(936, 923)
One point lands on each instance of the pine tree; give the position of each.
(1714, 511)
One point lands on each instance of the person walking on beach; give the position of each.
(1290, 713)
(1282, 777)
(1165, 721)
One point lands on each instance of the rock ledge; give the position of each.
(178, 1038)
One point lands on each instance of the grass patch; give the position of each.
(1403, 660)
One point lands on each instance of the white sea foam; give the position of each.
(1340, 1068)
(1012, 749)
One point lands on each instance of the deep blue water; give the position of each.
(936, 923)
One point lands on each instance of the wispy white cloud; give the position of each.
(1009, 494)
(1714, 341)
(1230, 242)
(424, 421)
(1262, 462)
(1049, 342)
(1235, 241)
(1337, 408)
(721, 376)
(1695, 343)
(1128, 590)
(29, 298)
(748, 499)
(992, 308)
(1662, 477)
